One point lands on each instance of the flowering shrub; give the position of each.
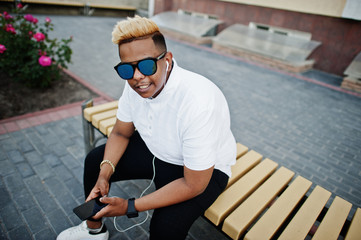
(27, 53)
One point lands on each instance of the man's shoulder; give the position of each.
(191, 81)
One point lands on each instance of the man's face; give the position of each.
(132, 52)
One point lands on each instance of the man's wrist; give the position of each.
(107, 162)
(105, 173)
(131, 211)
(106, 169)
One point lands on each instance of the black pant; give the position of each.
(172, 222)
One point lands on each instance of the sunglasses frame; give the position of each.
(135, 65)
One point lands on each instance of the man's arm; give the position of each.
(191, 185)
(117, 143)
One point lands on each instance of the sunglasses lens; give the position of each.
(125, 71)
(147, 67)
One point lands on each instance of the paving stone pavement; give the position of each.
(312, 129)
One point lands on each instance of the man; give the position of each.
(167, 116)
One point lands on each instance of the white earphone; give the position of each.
(167, 67)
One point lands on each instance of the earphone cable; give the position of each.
(141, 195)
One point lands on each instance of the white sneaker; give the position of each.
(82, 232)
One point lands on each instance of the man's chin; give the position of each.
(149, 92)
(145, 95)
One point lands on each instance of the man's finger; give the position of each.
(107, 200)
(92, 195)
(101, 213)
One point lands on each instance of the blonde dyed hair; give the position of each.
(133, 28)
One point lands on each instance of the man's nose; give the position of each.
(138, 75)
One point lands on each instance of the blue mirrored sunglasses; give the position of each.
(147, 67)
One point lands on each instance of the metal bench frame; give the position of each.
(89, 130)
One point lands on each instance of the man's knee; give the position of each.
(94, 157)
(173, 222)
(167, 231)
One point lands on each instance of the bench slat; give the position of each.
(241, 150)
(102, 116)
(105, 124)
(354, 232)
(109, 131)
(79, 4)
(61, 3)
(119, 7)
(306, 216)
(243, 165)
(271, 221)
(90, 111)
(334, 220)
(242, 217)
(241, 189)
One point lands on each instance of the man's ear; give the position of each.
(169, 57)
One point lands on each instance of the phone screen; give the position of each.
(89, 209)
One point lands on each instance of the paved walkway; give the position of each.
(304, 122)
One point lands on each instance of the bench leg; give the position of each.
(88, 130)
(87, 10)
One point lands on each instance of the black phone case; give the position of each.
(88, 209)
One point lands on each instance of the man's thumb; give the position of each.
(105, 199)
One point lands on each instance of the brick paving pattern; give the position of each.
(299, 121)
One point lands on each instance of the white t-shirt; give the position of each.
(188, 123)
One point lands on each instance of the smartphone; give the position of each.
(89, 209)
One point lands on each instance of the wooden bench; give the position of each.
(192, 27)
(73, 7)
(262, 200)
(100, 118)
(281, 48)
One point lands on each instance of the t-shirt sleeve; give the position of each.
(124, 111)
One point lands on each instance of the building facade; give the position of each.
(335, 23)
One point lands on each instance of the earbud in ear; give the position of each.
(167, 67)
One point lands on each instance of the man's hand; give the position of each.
(116, 207)
(101, 188)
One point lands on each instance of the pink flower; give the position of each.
(39, 36)
(48, 20)
(2, 48)
(19, 6)
(29, 17)
(35, 20)
(9, 28)
(45, 61)
(7, 15)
